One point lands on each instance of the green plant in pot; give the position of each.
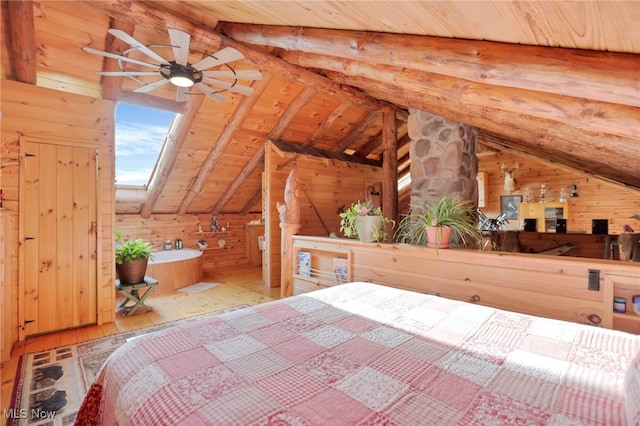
(363, 221)
(132, 257)
(435, 223)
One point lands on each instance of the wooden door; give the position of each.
(60, 237)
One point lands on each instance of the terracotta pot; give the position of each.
(438, 236)
(368, 227)
(132, 272)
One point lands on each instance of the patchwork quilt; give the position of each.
(365, 354)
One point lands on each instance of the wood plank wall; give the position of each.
(329, 186)
(599, 199)
(43, 113)
(160, 227)
(8, 276)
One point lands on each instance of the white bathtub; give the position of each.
(165, 256)
(175, 269)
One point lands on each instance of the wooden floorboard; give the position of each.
(236, 286)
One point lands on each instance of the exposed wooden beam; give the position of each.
(242, 111)
(170, 150)
(357, 131)
(326, 124)
(22, 40)
(247, 170)
(151, 101)
(389, 169)
(596, 148)
(303, 98)
(603, 76)
(252, 202)
(111, 86)
(574, 115)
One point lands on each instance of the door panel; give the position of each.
(60, 261)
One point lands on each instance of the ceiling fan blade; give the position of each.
(238, 88)
(120, 57)
(180, 44)
(210, 92)
(126, 73)
(181, 94)
(239, 74)
(149, 87)
(135, 43)
(225, 55)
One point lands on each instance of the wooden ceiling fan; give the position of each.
(179, 73)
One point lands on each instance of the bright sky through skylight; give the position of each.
(140, 133)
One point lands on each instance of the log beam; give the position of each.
(22, 40)
(242, 111)
(603, 76)
(389, 170)
(170, 150)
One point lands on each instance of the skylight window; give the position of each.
(140, 135)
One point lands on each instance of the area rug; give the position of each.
(198, 287)
(50, 385)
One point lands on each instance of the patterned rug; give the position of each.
(50, 385)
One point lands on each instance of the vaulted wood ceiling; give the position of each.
(558, 80)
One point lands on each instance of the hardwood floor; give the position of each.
(237, 285)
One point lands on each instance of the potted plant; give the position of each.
(363, 221)
(132, 257)
(435, 223)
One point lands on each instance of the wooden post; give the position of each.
(286, 262)
(290, 225)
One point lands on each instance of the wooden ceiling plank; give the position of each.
(171, 148)
(235, 122)
(22, 40)
(357, 131)
(252, 202)
(248, 169)
(336, 113)
(603, 76)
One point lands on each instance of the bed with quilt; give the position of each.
(365, 354)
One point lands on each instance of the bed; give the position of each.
(361, 353)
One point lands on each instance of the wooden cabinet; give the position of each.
(8, 281)
(544, 213)
(254, 230)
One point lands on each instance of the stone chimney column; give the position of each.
(443, 158)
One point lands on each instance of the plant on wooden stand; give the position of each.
(131, 258)
(431, 222)
(364, 222)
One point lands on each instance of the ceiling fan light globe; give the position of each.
(181, 81)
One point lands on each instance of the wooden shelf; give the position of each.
(208, 233)
(212, 248)
(628, 316)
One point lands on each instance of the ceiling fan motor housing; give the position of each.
(174, 70)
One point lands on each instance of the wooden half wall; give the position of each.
(329, 185)
(547, 286)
